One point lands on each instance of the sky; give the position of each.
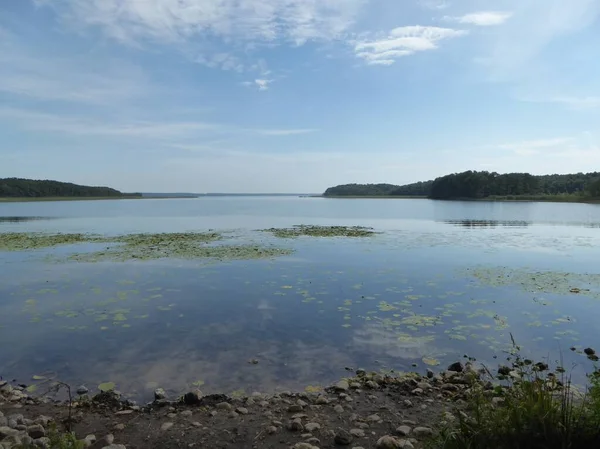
(295, 95)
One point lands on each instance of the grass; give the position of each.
(539, 409)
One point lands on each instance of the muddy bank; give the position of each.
(367, 410)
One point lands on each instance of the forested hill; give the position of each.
(477, 185)
(29, 188)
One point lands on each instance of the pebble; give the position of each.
(242, 410)
(186, 413)
(159, 394)
(115, 446)
(342, 437)
(120, 426)
(312, 426)
(403, 431)
(192, 397)
(36, 431)
(295, 408)
(408, 403)
(296, 426)
(430, 374)
(166, 426)
(277, 423)
(358, 433)
(422, 431)
(103, 442)
(388, 442)
(271, 430)
(124, 412)
(342, 385)
(409, 422)
(322, 400)
(405, 444)
(172, 415)
(457, 367)
(224, 406)
(338, 409)
(304, 446)
(361, 425)
(371, 384)
(82, 389)
(373, 418)
(417, 391)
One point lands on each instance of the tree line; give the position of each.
(30, 188)
(484, 184)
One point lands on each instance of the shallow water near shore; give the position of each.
(436, 282)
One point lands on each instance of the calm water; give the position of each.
(443, 279)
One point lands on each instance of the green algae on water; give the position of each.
(321, 231)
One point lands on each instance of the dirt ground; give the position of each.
(355, 413)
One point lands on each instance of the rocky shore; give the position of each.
(367, 410)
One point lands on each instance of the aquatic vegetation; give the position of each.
(191, 245)
(21, 241)
(106, 386)
(553, 282)
(321, 231)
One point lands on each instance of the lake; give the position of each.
(439, 281)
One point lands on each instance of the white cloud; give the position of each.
(171, 21)
(403, 41)
(260, 83)
(482, 18)
(263, 84)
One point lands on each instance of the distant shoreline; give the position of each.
(68, 198)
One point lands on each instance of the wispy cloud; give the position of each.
(135, 22)
(575, 103)
(71, 125)
(537, 143)
(26, 72)
(435, 4)
(403, 41)
(482, 18)
(260, 84)
(263, 84)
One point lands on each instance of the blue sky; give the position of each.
(295, 95)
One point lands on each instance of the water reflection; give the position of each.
(482, 224)
(23, 219)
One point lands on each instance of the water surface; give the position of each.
(441, 280)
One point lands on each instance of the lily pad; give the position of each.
(106, 386)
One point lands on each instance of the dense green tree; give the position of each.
(483, 184)
(594, 189)
(361, 190)
(29, 188)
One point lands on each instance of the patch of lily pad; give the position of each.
(23, 241)
(549, 282)
(321, 231)
(190, 245)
